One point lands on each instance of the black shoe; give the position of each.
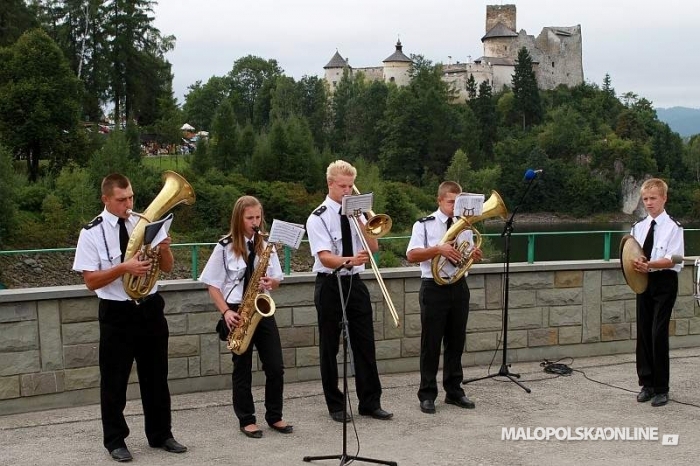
(288, 429)
(462, 402)
(660, 399)
(252, 433)
(427, 406)
(173, 446)
(337, 416)
(121, 454)
(645, 395)
(378, 413)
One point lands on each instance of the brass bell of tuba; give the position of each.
(176, 190)
(493, 207)
(377, 225)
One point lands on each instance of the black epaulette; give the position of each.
(95, 221)
(677, 222)
(226, 240)
(320, 210)
(637, 222)
(426, 219)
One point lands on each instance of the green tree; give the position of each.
(247, 78)
(39, 99)
(8, 208)
(525, 90)
(315, 107)
(15, 18)
(471, 87)
(202, 101)
(485, 111)
(224, 148)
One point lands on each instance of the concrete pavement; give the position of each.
(453, 436)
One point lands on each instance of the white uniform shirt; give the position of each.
(435, 229)
(668, 238)
(225, 271)
(324, 235)
(98, 249)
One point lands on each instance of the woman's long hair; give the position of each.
(238, 244)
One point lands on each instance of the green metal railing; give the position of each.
(532, 241)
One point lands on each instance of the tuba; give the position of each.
(493, 207)
(254, 306)
(176, 190)
(377, 225)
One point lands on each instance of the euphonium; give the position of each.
(377, 225)
(493, 207)
(254, 306)
(176, 190)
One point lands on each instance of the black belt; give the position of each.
(135, 302)
(447, 279)
(324, 274)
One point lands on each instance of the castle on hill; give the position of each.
(556, 57)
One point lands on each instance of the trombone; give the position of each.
(375, 269)
(377, 225)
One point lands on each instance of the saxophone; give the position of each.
(254, 306)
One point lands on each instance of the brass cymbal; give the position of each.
(629, 251)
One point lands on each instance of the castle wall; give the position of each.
(500, 47)
(397, 72)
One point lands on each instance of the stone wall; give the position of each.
(49, 336)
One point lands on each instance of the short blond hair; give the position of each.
(657, 183)
(340, 167)
(448, 187)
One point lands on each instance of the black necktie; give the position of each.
(649, 241)
(249, 265)
(123, 237)
(449, 222)
(346, 234)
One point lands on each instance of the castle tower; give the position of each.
(500, 31)
(334, 70)
(500, 14)
(397, 66)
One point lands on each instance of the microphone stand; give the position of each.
(507, 231)
(344, 457)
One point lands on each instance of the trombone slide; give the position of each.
(375, 270)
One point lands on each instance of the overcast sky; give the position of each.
(648, 47)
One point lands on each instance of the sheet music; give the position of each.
(469, 204)
(358, 204)
(289, 234)
(158, 230)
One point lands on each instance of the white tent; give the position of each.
(187, 127)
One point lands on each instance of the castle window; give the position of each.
(392, 79)
(552, 64)
(334, 83)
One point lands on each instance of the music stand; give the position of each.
(507, 231)
(344, 457)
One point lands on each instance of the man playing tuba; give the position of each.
(129, 329)
(443, 308)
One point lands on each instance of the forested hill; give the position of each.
(272, 136)
(683, 120)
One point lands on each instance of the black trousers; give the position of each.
(361, 332)
(267, 341)
(654, 308)
(128, 333)
(443, 313)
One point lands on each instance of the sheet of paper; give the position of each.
(289, 234)
(158, 230)
(469, 204)
(358, 204)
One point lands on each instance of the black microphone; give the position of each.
(530, 174)
(341, 266)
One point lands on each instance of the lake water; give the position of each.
(552, 244)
